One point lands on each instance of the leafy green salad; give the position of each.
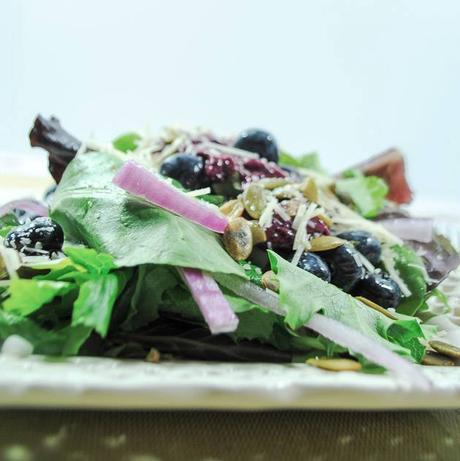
(188, 245)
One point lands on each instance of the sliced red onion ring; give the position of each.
(215, 308)
(418, 229)
(335, 331)
(31, 206)
(138, 181)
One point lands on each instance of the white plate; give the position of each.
(107, 383)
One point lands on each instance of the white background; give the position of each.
(345, 78)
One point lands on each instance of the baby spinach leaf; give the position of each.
(151, 284)
(410, 268)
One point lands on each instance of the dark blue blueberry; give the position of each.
(260, 142)
(37, 237)
(185, 168)
(345, 266)
(365, 243)
(315, 265)
(379, 288)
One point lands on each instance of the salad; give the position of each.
(189, 245)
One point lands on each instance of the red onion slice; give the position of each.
(418, 229)
(138, 181)
(215, 308)
(31, 206)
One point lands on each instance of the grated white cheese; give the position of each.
(281, 211)
(388, 260)
(300, 212)
(230, 150)
(266, 217)
(366, 263)
(297, 255)
(198, 192)
(301, 233)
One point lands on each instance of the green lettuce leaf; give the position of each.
(126, 142)
(93, 211)
(309, 161)
(93, 307)
(28, 295)
(91, 260)
(64, 341)
(366, 193)
(302, 294)
(411, 270)
(150, 287)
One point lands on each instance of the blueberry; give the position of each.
(315, 265)
(345, 266)
(35, 237)
(260, 142)
(379, 288)
(185, 168)
(365, 243)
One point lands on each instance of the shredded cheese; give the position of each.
(281, 211)
(198, 192)
(266, 217)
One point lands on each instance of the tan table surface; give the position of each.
(28, 435)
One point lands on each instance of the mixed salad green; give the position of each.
(211, 248)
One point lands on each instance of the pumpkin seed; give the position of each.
(291, 206)
(335, 364)
(273, 183)
(270, 281)
(232, 208)
(446, 349)
(309, 190)
(258, 233)
(254, 200)
(153, 356)
(437, 360)
(326, 242)
(237, 239)
(286, 192)
(376, 307)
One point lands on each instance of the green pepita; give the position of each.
(335, 364)
(309, 190)
(258, 233)
(326, 242)
(270, 281)
(437, 360)
(237, 239)
(273, 183)
(376, 307)
(254, 200)
(446, 349)
(232, 208)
